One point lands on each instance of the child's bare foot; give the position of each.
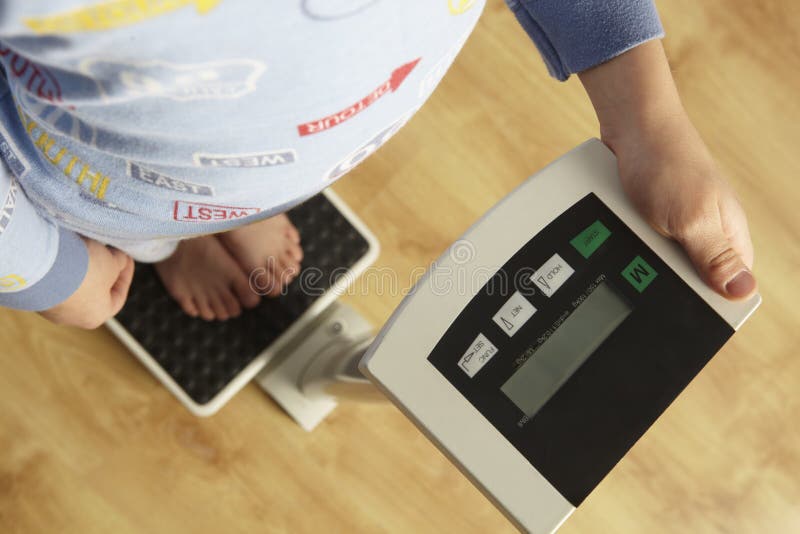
(205, 280)
(269, 249)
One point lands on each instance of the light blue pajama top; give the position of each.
(139, 122)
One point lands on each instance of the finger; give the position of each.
(117, 254)
(102, 262)
(123, 282)
(735, 226)
(717, 259)
(120, 289)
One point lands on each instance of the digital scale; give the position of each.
(588, 326)
(534, 353)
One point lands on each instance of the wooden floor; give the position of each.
(90, 442)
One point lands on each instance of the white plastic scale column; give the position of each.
(538, 381)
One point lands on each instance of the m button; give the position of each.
(639, 274)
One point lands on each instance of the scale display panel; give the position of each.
(584, 336)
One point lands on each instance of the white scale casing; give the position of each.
(397, 361)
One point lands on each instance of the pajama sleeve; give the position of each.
(574, 35)
(41, 264)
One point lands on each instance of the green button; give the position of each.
(639, 274)
(590, 239)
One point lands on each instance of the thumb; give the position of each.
(119, 291)
(717, 260)
(120, 258)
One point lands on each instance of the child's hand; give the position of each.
(667, 170)
(673, 181)
(102, 292)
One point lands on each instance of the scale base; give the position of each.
(205, 363)
(302, 378)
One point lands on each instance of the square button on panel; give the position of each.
(552, 275)
(639, 274)
(514, 313)
(590, 239)
(480, 351)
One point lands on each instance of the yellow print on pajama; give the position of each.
(112, 14)
(61, 158)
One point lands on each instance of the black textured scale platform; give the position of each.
(203, 357)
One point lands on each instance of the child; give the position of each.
(178, 131)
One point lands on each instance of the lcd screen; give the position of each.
(536, 380)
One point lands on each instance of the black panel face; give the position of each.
(203, 357)
(573, 375)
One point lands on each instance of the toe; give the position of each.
(183, 297)
(217, 304)
(189, 306)
(204, 307)
(274, 276)
(232, 305)
(271, 282)
(292, 233)
(289, 267)
(176, 289)
(246, 295)
(286, 276)
(296, 252)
